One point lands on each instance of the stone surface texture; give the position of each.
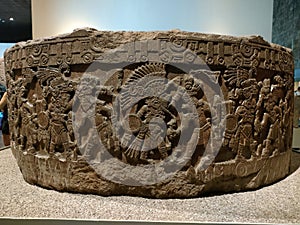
(154, 114)
(2, 72)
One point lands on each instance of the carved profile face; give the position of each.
(270, 103)
(250, 88)
(188, 84)
(276, 112)
(154, 102)
(172, 123)
(33, 98)
(250, 104)
(65, 97)
(85, 90)
(267, 83)
(242, 112)
(279, 80)
(177, 80)
(22, 91)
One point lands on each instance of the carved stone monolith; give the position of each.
(153, 114)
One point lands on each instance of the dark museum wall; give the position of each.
(15, 21)
(286, 28)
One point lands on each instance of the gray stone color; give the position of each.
(154, 114)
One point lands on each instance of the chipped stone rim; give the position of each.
(214, 51)
(268, 58)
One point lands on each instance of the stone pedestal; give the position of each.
(153, 114)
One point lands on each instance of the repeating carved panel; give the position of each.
(58, 115)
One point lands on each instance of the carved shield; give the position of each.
(43, 119)
(231, 123)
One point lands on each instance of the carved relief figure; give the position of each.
(68, 122)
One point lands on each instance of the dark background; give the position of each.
(286, 28)
(20, 28)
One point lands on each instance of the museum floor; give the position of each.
(277, 203)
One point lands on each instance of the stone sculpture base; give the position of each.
(221, 178)
(154, 114)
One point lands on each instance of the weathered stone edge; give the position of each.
(216, 50)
